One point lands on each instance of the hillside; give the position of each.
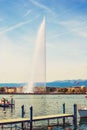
(58, 83)
(67, 83)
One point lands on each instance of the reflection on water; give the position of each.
(83, 121)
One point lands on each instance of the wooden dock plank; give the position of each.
(51, 117)
(12, 121)
(38, 118)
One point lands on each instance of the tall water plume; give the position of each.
(39, 63)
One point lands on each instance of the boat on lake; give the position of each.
(83, 112)
(4, 103)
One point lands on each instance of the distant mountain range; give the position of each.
(58, 83)
(67, 83)
(12, 84)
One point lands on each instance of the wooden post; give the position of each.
(22, 111)
(11, 126)
(4, 105)
(15, 127)
(22, 115)
(48, 122)
(14, 104)
(2, 127)
(31, 117)
(75, 116)
(57, 121)
(11, 100)
(63, 113)
(11, 104)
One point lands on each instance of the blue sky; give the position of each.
(66, 38)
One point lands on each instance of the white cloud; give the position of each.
(72, 26)
(56, 35)
(42, 6)
(14, 26)
(18, 25)
(28, 13)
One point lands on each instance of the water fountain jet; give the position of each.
(39, 63)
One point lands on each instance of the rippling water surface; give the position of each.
(45, 105)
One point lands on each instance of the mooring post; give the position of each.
(11, 100)
(22, 115)
(14, 104)
(4, 105)
(63, 108)
(63, 113)
(2, 127)
(75, 116)
(11, 104)
(31, 117)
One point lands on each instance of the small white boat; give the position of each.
(83, 112)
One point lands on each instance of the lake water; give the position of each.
(45, 105)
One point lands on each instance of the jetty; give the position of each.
(31, 119)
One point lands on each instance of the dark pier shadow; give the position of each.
(83, 121)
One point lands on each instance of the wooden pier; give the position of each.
(32, 118)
